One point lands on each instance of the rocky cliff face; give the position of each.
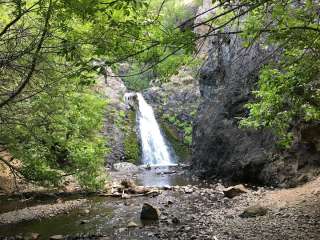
(113, 90)
(175, 104)
(226, 79)
(120, 129)
(220, 147)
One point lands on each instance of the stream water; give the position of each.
(106, 214)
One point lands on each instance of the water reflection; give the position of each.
(161, 176)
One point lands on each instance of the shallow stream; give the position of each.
(106, 214)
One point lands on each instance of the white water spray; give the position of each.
(155, 151)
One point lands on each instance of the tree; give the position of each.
(50, 117)
(288, 91)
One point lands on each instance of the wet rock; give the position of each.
(56, 237)
(234, 191)
(84, 221)
(86, 211)
(167, 187)
(32, 236)
(132, 225)
(148, 167)
(149, 212)
(254, 211)
(175, 220)
(188, 190)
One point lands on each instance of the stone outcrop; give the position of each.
(220, 148)
(113, 89)
(119, 128)
(226, 79)
(175, 104)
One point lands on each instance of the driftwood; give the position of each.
(128, 189)
(152, 193)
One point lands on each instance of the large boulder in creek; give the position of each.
(149, 212)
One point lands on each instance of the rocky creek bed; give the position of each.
(186, 212)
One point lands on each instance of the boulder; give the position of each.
(149, 212)
(32, 236)
(188, 190)
(254, 211)
(132, 225)
(234, 191)
(128, 183)
(175, 220)
(125, 167)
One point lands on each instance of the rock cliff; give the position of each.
(220, 148)
(120, 129)
(175, 104)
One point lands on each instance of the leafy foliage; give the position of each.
(183, 126)
(171, 47)
(288, 89)
(50, 117)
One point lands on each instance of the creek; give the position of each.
(102, 215)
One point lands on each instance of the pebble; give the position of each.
(56, 237)
(132, 224)
(84, 221)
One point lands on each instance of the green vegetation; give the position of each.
(289, 89)
(180, 148)
(159, 63)
(50, 117)
(183, 126)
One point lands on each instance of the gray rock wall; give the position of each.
(226, 79)
(220, 148)
(175, 104)
(113, 89)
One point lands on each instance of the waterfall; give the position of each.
(155, 151)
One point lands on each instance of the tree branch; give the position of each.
(27, 79)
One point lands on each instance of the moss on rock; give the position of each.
(181, 149)
(132, 150)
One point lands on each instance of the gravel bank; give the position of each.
(40, 211)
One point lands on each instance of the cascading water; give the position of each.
(155, 151)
